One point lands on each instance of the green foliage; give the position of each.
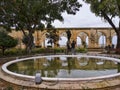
(15, 52)
(7, 41)
(107, 9)
(53, 36)
(31, 15)
(81, 50)
(110, 7)
(21, 52)
(38, 50)
(3, 30)
(59, 50)
(43, 50)
(10, 88)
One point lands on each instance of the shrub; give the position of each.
(59, 50)
(81, 50)
(38, 50)
(14, 51)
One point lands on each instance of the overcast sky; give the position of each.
(83, 18)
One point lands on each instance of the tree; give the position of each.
(108, 9)
(68, 34)
(6, 42)
(52, 35)
(31, 15)
(25, 40)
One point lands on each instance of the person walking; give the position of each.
(73, 47)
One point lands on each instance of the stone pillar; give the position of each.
(108, 40)
(37, 38)
(91, 41)
(73, 36)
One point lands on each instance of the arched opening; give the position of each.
(87, 40)
(82, 40)
(47, 44)
(102, 41)
(62, 42)
(79, 42)
(114, 40)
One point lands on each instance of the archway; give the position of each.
(62, 42)
(102, 40)
(82, 38)
(48, 44)
(63, 39)
(87, 41)
(114, 40)
(79, 42)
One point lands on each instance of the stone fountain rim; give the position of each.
(4, 68)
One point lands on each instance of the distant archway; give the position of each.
(87, 41)
(79, 42)
(114, 40)
(92, 37)
(102, 41)
(62, 42)
(47, 44)
(83, 39)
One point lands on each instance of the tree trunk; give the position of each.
(117, 30)
(3, 50)
(118, 43)
(30, 43)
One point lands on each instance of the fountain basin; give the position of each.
(82, 82)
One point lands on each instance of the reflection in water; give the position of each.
(66, 67)
(83, 61)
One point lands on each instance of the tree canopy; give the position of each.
(31, 15)
(107, 9)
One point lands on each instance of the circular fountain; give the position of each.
(72, 78)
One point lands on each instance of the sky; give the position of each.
(83, 18)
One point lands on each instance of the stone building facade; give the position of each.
(91, 34)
